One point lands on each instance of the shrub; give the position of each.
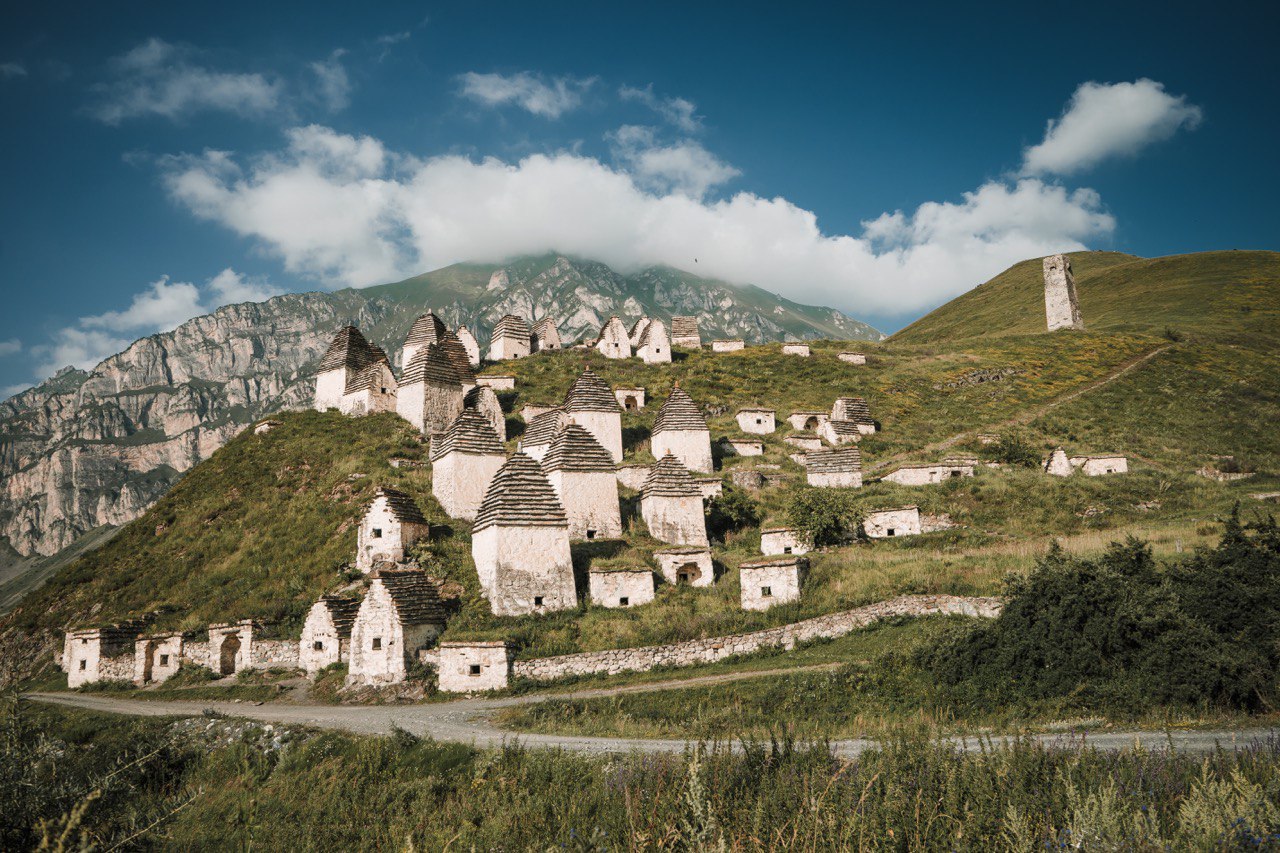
(1013, 450)
(825, 516)
(733, 510)
(1121, 631)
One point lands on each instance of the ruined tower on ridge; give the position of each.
(1061, 307)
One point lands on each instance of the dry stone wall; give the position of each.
(714, 649)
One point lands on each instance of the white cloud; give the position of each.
(230, 287)
(684, 167)
(10, 347)
(681, 112)
(158, 78)
(549, 98)
(394, 38)
(1104, 120)
(11, 390)
(161, 307)
(12, 69)
(347, 211)
(333, 86)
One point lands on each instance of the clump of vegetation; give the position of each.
(732, 511)
(1122, 631)
(1013, 449)
(826, 516)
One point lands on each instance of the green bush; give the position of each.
(1013, 450)
(825, 516)
(1123, 632)
(733, 510)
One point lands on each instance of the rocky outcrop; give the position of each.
(90, 449)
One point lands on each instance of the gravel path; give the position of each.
(467, 721)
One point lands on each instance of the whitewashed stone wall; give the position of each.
(621, 588)
(712, 487)
(330, 386)
(380, 645)
(614, 341)
(676, 521)
(473, 667)
(727, 346)
(834, 479)
(497, 383)
(691, 446)
(508, 347)
(782, 540)
(525, 569)
(590, 499)
(320, 645)
(383, 538)
(763, 587)
(430, 406)
(606, 427)
(695, 652)
(86, 658)
(853, 358)
(801, 350)
(459, 481)
(828, 432)
(804, 442)
(274, 654)
(629, 399)
(1097, 466)
(230, 647)
(470, 344)
(529, 411)
(900, 521)
(926, 475)
(757, 421)
(808, 420)
(746, 447)
(156, 659)
(691, 566)
(633, 476)
(367, 401)
(490, 408)
(657, 347)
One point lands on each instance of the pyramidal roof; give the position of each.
(403, 508)
(544, 325)
(670, 479)
(612, 326)
(855, 409)
(351, 350)
(679, 412)
(427, 329)
(520, 496)
(545, 427)
(371, 377)
(684, 327)
(431, 364)
(575, 449)
(839, 461)
(342, 611)
(457, 353)
(471, 433)
(590, 393)
(511, 326)
(416, 597)
(648, 332)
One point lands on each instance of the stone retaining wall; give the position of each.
(268, 654)
(694, 652)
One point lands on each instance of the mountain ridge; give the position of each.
(88, 449)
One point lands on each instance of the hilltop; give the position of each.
(1208, 294)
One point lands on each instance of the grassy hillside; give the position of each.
(1209, 293)
(267, 524)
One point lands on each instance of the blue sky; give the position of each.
(880, 160)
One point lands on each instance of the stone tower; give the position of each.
(1061, 307)
(391, 526)
(464, 460)
(614, 342)
(427, 329)
(346, 359)
(511, 339)
(684, 332)
(671, 504)
(591, 403)
(545, 336)
(470, 344)
(431, 393)
(680, 429)
(520, 543)
(653, 345)
(583, 476)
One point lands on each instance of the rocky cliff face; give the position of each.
(85, 450)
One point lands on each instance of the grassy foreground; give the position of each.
(74, 780)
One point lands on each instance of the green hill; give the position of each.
(1209, 293)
